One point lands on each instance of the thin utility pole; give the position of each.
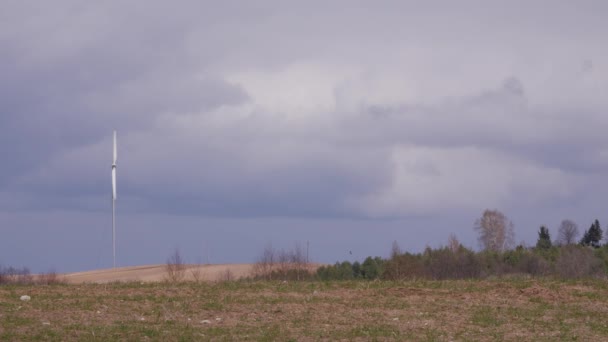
(307, 245)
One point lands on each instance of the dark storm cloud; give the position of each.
(70, 77)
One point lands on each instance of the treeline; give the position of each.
(23, 276)
(371, 268)
(569, 261)
(566, 257)
(449, 262)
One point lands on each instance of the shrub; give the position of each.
(404, 266)
(49, 278)
(284, 264)
(175, 267)
(602, 255)
(338, 271)
(533, 264)
(265, 264)
(372, 268)
(226, 276)
(578, 262)
(445, 263)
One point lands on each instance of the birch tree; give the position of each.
(495, 230)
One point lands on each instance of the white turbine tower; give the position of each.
(113, 202)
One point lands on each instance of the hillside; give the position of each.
(152, 273)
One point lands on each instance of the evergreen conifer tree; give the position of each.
(593, 235)
(544, 239)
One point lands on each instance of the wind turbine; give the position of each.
(114, 202)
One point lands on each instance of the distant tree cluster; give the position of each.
(563, 257)
(496, 233)
(569, 261)
(593, 236)
(371, 268)
(290, 264)
(23, 276)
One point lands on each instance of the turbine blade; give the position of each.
(115, 152)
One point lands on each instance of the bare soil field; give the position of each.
(515, 309)
(155, 273)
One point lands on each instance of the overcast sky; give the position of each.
(348, 124)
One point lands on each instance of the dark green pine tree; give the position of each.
(544, 239)
(593, 235)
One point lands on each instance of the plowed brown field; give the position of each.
(476, 310)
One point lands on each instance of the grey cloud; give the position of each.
(239, 172)
(144, 68)
(483, 118)
(367, 112)
(68, 82)
(272, 177)
(568, 139)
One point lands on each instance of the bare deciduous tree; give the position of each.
(298, 259)
(226, 276)
(567, 233)
(175, 267)
(496, 231)
(265, 263)
(49, 278)
(395, 250)
(284, 258)
(453, 243)
(286, 264)
(197, 273)
(395, 265)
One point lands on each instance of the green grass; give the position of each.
(486, 316)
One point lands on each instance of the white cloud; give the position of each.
(295, 90)
(431, 180)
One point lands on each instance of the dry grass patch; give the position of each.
(513, 309)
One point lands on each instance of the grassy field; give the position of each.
(513, 309)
